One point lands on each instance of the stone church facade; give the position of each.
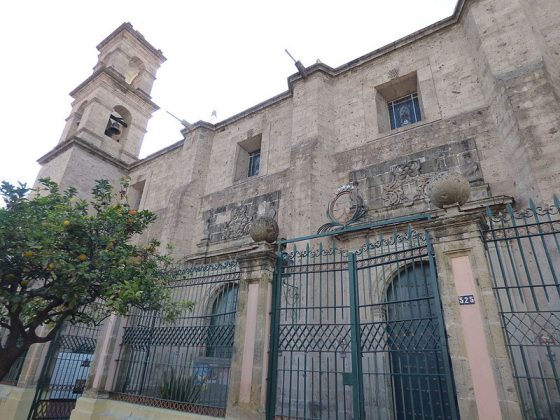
(411, 264)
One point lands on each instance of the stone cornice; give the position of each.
(224, 253)
(399, 43)
(333, 72)
(254, 109)
(118, 79)
(127, 26)
(176, 145)
(78, 142)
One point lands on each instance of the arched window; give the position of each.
(133, 71)
(416, 356)
(118, 123)
(219, 341)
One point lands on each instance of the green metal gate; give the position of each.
(359, 334)
(183, 365)
(64, 374)
(523, 252)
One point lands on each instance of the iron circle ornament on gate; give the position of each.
(359, 334)
(345, 208)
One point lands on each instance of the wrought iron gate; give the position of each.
(64, 373)
(359, 334)
(185, 364)
(523, 252)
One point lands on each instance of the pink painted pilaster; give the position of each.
(249, 365)
(247, 358)
(484, 384)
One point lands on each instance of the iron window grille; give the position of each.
(185, 364)
(404, 111)
(254, 163)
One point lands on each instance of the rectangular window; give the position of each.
(254, 163)
(248, 160)
(404, 111)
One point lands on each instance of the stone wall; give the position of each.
(488, 81)
(232, 221)
(475, 88)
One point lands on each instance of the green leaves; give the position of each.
(59, 255)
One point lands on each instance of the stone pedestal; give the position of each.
(15, 402)
(483, 378)
(248, 378)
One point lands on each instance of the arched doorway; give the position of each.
(416, 358)
(222, 317)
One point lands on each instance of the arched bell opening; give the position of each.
(134, 71)
(118, 123)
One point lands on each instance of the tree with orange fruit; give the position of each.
(60, 256)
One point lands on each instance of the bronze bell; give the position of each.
(113, 130)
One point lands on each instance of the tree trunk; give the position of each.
(15, 346)
(8, 358)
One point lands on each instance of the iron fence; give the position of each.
(523, 252)
(65, 371)
(183, 365)
(359, 334)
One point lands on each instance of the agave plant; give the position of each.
(179, 387)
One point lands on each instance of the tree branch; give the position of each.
(43, 315)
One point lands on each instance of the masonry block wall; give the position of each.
(487, 81)
(489, 75)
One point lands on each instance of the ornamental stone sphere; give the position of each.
(448, 188)
(264, 229)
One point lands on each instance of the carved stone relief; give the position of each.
(402, 182)
(407, 185)
(470, 168)
(239, 223)
(233, 221)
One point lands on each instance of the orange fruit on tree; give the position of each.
(82, 257)
(132, 212)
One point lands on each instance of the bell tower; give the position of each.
(111, 108)
(110, 113)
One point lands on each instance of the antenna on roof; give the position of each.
(185, 123)
(300, 67)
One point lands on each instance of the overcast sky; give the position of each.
(221, 55)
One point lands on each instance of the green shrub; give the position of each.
(179, 387)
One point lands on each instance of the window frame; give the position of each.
(243, 163)
(254, 163)
(414, 99)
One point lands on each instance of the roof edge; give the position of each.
(385, 49)
(127, 26)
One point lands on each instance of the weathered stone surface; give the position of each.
(402, 182)
(264, 229)
(448, 188)
(233, 221)
(488, 82)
